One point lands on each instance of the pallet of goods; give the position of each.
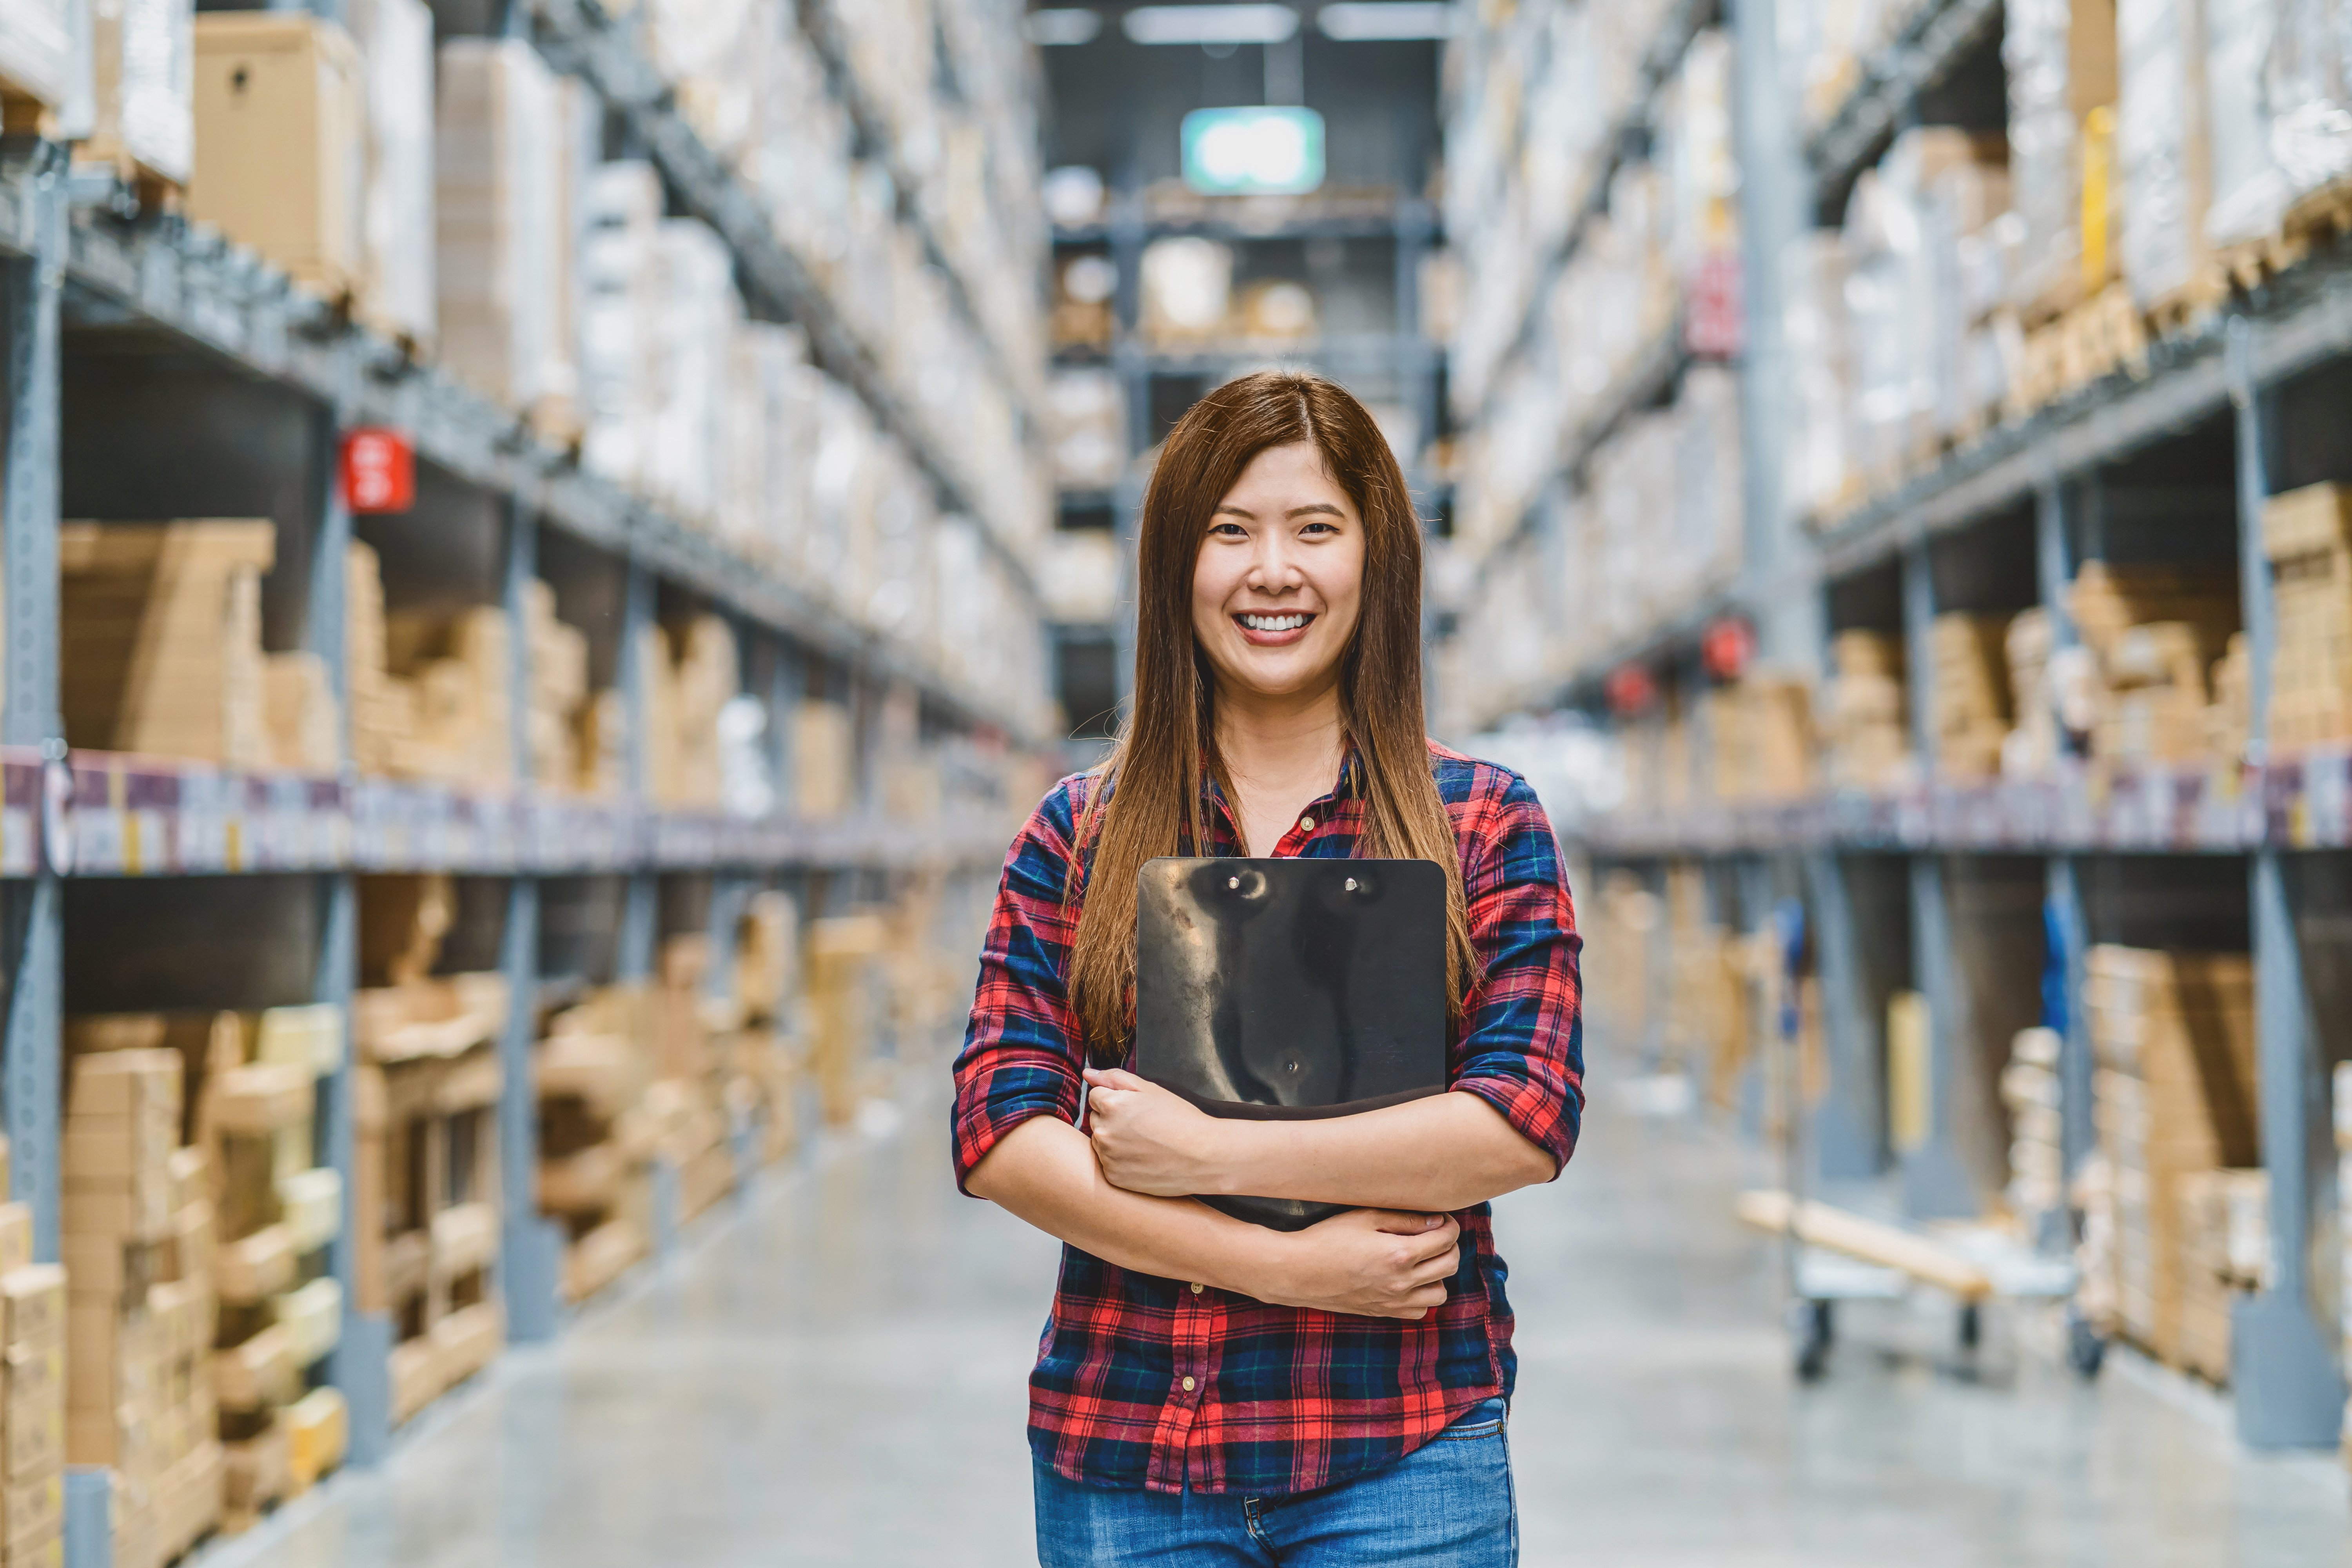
(1971, 694)
(691, 673)
(1865, 724)
(2030, 1091)
(2172, 1034)
(142, 127)
(281, 1310)
(160, 643)
(426, 1162)
(280, 142)
(696, 1098)
(591, 1067)
(141, 1260)
(2307, 538)
(2155, 635)
(767, 1044)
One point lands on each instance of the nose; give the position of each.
(1273, 569)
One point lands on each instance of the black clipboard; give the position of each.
(1292, 988)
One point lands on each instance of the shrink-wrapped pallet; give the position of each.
(2061, 56)
(37, 53)
(698, 315)
(1816, 469)
(1890, 325)
(499, 166)
(396, 292)
(2163, 156)
(2249, 191)
(143, 84)
(771, 438)
(2307, 85)
(620, 340)
(1964, 195)
(280, 148)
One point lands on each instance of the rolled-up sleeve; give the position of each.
(1022, 1051)
(1522, 1043)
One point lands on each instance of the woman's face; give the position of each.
(1279, 580)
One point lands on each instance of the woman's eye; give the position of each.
(1230, 530)
(1320, 528)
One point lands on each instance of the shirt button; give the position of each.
(1188, 1386)
(1306, 825)
(1196, 1288)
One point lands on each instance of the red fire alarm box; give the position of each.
(379, 469)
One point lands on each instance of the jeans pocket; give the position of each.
(1487, 1418)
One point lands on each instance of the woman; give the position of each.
(1208, 1391)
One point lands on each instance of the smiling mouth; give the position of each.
(1273, 625)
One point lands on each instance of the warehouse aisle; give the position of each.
(838, 1380)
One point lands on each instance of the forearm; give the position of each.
(1437, 1155)
(1044, 1172)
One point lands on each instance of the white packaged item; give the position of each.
(1813, 331)
(2061, 59)
(36, 49)
(2163, 160)
(620, 337)
(1187, 285)
(1089, 428)
(499, 271)
(2249, 192)
(397, 222)
(144, 81)
(2308, 84)
(698, 312)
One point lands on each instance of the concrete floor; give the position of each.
(836, 1378)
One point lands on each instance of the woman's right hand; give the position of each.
(1372, 1263)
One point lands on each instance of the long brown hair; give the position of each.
(1145, 800)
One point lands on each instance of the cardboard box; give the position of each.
(281, 141)
(32, 1304)
(501, 175)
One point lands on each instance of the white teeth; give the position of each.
(1274, 623)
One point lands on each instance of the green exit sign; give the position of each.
(1254, 151)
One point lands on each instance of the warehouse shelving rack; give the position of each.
(76, 281)
(1901, 888)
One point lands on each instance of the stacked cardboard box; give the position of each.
(1865, 722)
(843, 954)
(2035, 740)
(2173, 1036)
(429, 689)
(281, 142)
(160, 637)
(504, 170)
(689, 675)
(2155, 632)
(33, 1349)
(2308, 537)
(767, 980)
(591, 1067)
(2224, 1254)
(280, 1312)
(1971, 692)
(139, 1253)
(1762, 727)
(558, 698)
(696, 1094)
(2030, 1092)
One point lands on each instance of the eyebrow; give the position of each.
(1311, 509)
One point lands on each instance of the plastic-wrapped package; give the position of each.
(1965, 192)
(2307, 85)
(698, 317)
(1089, 431)
(1709, 493)
(2061, 57)
(498, 149)
(1703, 174)
(619, 341)
(2248, 189)
(1816, 469)
(1887, 333)
(768, 439)
(143, 79)
(396, 286)
(2163, 159)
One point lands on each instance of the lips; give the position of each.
(1270, 629)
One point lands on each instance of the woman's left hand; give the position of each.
(1149, 1139)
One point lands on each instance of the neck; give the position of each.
(1286, 739)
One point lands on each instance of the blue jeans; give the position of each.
(1447, 1504)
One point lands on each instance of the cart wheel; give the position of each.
(1971, 1325)
(1816, 1327)
(2087, 1349)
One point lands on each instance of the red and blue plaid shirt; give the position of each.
(1153, 1384)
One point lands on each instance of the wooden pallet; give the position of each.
(2192, 306)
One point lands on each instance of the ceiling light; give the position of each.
(1212, 24)
(1366, 21)
(1253, 152)
(1074, 25)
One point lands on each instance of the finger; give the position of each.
(1436, 1243)
(1117, 1078)
(1436, 1270)
(1406, 1222)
